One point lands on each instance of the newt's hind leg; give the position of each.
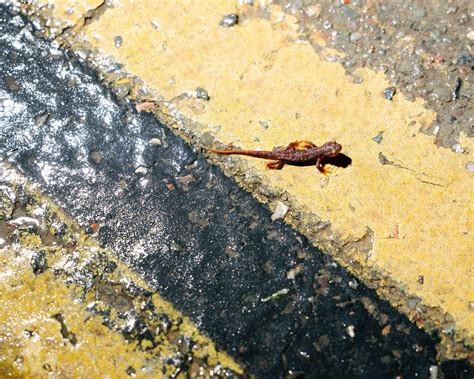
(300, 145)
(275, 165)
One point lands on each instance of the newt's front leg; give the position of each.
(275, 165)
(321, 168)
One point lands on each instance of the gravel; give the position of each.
(424, 48)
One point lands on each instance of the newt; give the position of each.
(298, 152)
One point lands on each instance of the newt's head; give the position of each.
(332, 148)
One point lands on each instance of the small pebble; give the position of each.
(464, 58)
(434, 36)
(314, 10)
(95, 156)
(412, 302)
(263, 123)
(350, 331)
(131, 371)
(448, 328)
(434, 372)
(386, 330)
(118, 41)
(280, 211)
(155, 141)
(11, 83)
(389, 92)
(143, 182)
(452, 9)
(355, 36)
(230, 20)
(141, 170)
(185, 180)
(201, 93)
(330, 58)
(24, 221)
(122, 90)
(353, 284)
(42, 118)
(470, 166)
(291, 273)
(451, 119)
(378, 138)
(458, 148)
(357, 79)
(419, 12)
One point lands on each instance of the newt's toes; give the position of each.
(324, 171)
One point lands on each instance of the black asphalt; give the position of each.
(190, 232)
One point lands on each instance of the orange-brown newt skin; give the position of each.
(297, 152)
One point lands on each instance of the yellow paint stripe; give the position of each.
(399, 221)
(32, 343)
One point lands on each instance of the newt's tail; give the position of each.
(250, 153)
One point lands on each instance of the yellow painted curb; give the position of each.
(399, 216)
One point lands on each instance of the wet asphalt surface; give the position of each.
(190, 232)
